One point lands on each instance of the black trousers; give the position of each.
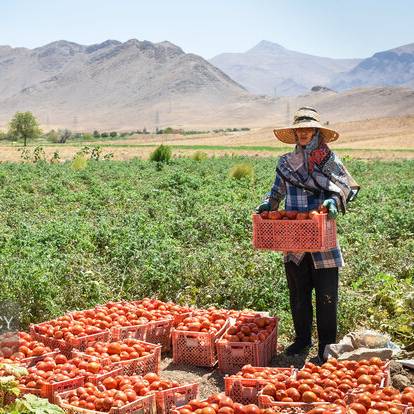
(302, 279)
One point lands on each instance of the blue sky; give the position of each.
(207, 27)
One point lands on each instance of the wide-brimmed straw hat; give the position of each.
(305, 117)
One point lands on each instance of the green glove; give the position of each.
(265, 206)
(330, 204)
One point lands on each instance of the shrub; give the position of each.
(243, 170)
(199, 156)
(79, 162)
(113, 134)
(161, 154)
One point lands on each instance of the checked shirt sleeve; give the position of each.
(278, 190)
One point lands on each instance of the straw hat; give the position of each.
(305, 117)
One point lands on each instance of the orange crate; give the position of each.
(175, 397)
(312, 235)
(246, 390)
(66, 347)
(49, 390)
(232, 356)
(196, 348)
(144, 405)
(159, 332)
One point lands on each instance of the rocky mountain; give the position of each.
(137, 84)
(391, 67)
(119, 85)
(273, 70)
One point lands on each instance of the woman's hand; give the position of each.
(330, 204)
(265, 206)
(269, 204)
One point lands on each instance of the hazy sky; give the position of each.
(351, 28)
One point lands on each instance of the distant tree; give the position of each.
(96, 134)
(104, 135)
(144, 131)
(113, 134)
(52, 136)
(64, 135)
(24, 125)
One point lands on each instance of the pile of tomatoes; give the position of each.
(290, 215)
(124, 350)
(210, 320)
(250, 329)
(17, 346)
(58, 368)
(387, 399)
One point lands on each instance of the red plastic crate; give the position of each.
(66, 347)
(144, 405)
(49, 390)
(312, 235)
(159, 332)
(232, 356)
(196, 348)
(246, 390)
(175, 397)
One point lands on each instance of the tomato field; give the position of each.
(182, 231)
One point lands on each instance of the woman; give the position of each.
(311, 176)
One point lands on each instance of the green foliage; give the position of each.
(79, 162)
(52, 136)
(199, 156)
(243, 170)
(31, 404)
(113, 134)
(162, 153)
(118, 230)
(24, 126)
(104, 135)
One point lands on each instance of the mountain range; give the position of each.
(135, 84)
(270, 69)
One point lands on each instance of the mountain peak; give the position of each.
(266, 46)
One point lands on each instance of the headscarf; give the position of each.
(316, 168)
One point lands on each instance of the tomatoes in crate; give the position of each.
(113, 392)
(250, 329)
(124, 350)
(59, 368)
(204, 320)
(18, 346)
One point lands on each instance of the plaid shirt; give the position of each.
(298, 199)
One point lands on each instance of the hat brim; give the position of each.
(287, 135)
